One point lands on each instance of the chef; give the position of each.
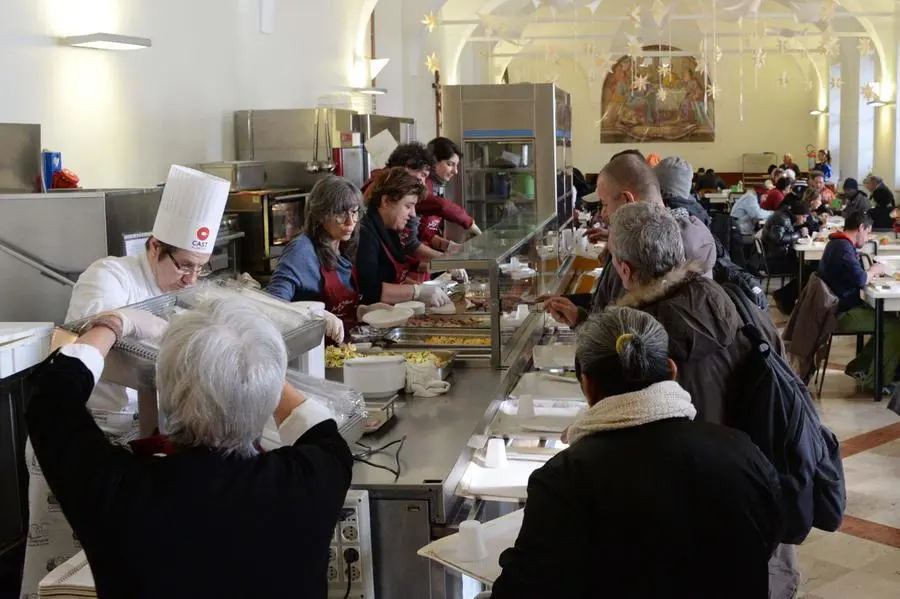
(176, 256)
(319, 264)
(381, 259)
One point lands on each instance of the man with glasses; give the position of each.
(176, 256)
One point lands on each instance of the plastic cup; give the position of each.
(522, 311)
(472, 547)
(525, 407)
(496, 454)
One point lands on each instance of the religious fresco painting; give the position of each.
(657, 99)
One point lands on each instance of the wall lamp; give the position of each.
(819, 112)
(879, 103)
(106, 41)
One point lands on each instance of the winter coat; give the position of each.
(856, 201)
(842, 271)
(673, 508)
(811, 324)
(779, 235)
(748, 212)
(703, 325)
(691, 205)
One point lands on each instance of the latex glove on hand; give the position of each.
(140, 324)
(459, 274)
(432, 295)
(334, 327)
(363, 310)
(474, 231)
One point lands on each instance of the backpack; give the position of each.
(776, 410)
(726, 271)
(724, 228)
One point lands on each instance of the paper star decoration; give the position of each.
(635, 16)
(647, 62)
(662, 94)
(783, 80)
(431, 63)
(865, 46)
(665, 69)
(593, 6)
(659, 11)
(829, 47)
(701, 66)
(430, 21)
(868, 91)
(719, 54)
(712, 90)
(635, 46)
(604, 63)
(837, 83)
(759, 58)
(640, 83)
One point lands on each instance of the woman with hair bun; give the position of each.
(645, 502)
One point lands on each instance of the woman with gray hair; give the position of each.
(215, 518)
(319, 264)
(645, 502)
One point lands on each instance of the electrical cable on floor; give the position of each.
(370, 452)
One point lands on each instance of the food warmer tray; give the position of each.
(484, 321)
(337, 374)
(132, 363)
(414, 338)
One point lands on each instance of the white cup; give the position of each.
(472, 547)
(522, 311)
(525, 406)
(568, 239)
(495, 456)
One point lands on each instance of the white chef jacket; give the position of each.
(108, 284)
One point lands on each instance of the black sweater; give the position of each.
(373, 264)
(196, 523)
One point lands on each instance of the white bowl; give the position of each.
(376, 376)
(385, 319)
(418, 308)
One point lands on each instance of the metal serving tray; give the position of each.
(414, 338)
(430, 321)
(133, 363)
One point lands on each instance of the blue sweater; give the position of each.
(842, 271)
(297, 276)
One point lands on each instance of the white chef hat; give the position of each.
(191, 209)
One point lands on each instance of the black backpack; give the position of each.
(726, 271)
(776, 410)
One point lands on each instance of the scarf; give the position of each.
(391, 239)
(659, 401)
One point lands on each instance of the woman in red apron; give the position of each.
(319, 264)
(381, 260)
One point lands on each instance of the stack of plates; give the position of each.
(71, 579)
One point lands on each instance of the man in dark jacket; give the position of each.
(841, 269)
(710, 180)
(644, 504)
(674, 175)
(855, 200)
(625, 180)
(215, 518)
(880, 193)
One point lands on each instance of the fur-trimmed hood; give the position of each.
(696, 312)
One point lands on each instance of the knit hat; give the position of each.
(851, 184)
(675, 176)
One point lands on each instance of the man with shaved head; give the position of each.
(627, 179)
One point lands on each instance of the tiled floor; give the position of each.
(862, 560)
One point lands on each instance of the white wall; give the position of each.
(775, 119)
(121, 118)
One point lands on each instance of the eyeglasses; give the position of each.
(186, 271)
(342, 217)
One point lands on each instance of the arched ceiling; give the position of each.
(571, 29)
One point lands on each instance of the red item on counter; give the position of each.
(65, 179)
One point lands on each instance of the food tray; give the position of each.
(133, 363)
(557, 357)
(353, 430)
(405, 337)
(551, 418)
(380, 413)
(337, 374)
(449, 321)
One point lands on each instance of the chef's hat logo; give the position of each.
(203, 233)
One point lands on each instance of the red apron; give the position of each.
(429, 226)
(339, 300)
(402, 272)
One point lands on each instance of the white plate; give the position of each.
(445, 309)
(386, 319)
(418, 308)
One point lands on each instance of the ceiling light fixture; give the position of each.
(369, 91)
(818, 112)
(106, 41)
(878, 103)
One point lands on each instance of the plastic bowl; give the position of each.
(386, 319)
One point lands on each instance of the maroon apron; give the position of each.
(339, 300)
(402, 272)
(430, 226)
(416, 272)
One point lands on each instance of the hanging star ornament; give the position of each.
(640, 83)
(430, 21)
(665, 69)
(647, 62)
(712, 90)
(635, 46)
(593, 6)
(719, 54)
(837, 83)
(783, 80)
(659, 10)
(635, 16)
(865, 46)
(662, 94)
(604, 63)
(431, 63)
(759, 58)
(828, 47)
(701, 66)
(868, 92)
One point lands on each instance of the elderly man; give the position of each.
(627, 180)
(215, 518)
